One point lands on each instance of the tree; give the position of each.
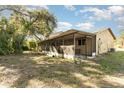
(34, 21)
(44, 23)
(25, 22)
(5, 37)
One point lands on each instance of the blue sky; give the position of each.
(89, 18)
(86, 18)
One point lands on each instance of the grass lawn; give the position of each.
(42, 71)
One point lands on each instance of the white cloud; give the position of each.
(43, 7)
(117, 10)
(70, 7)
(62, 26)
(97, 13)
(102, 14)
(85, 26)
(120, 22)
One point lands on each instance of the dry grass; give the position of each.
(43, 71)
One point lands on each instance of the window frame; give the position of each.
(82, 41)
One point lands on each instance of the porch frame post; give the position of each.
(86, 46)
(74, 44)
(91, 46)
(63, 43)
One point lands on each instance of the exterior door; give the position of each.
(89, 46)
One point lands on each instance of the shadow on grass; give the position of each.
(49, 70)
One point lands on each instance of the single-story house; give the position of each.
(74, 43)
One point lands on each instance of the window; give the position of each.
(81, 41)
(53, 43)
(68, 42)
(60, 42)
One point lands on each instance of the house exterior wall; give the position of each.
(66, 48)
(104, 42)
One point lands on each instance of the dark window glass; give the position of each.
(53, 43)
(79, 42)
(60, 42)
(68, 42)
(83, 41)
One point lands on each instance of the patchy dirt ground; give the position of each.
(41, 71)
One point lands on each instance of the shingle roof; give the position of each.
(71, 31)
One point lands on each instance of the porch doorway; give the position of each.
(83, 47)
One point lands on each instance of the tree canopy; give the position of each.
(33, 21)
(23, 22)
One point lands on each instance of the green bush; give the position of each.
(18, 44)
(5, 43)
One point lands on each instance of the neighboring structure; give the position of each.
(74, 43)
(119, 42)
